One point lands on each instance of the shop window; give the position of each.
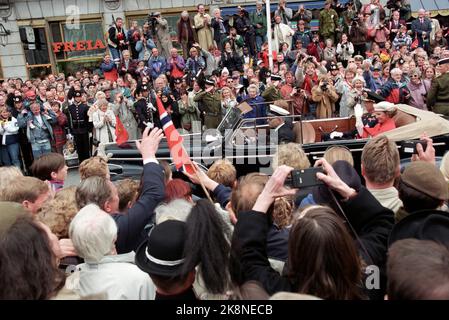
(36, 48)
(80, 48)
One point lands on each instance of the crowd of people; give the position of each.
(255, 237)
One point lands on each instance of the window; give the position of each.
(83, 51)
(35, 46)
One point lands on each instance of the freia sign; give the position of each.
(82, 45)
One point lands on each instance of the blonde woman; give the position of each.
(104, 122)
(228, 100)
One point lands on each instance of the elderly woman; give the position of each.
(123, 108)
(418, 90)
(343, 89)
(325, 95)
(104, 122)
(356, 95)
(93, 233)
(190, 115)
(384, 113)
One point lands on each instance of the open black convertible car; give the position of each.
(250, 144)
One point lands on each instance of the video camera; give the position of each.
(152, 21)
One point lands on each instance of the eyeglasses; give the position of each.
(415, 76)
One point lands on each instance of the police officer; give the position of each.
(438, 95)
(79, 125)
(210, 105)
(145, 108)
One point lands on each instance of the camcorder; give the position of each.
(409, 146)
(152, 21)
(304, 178)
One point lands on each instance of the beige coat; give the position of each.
(164, 44)
(325, 101)
(203, 30)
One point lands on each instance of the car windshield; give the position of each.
(230, 120)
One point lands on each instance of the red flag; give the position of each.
(174, 140)
(120, 132)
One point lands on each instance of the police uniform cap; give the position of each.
(276, 77)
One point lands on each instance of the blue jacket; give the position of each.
(36, 132)
(131, 226)
(106, 67)
(259, 109)
(157, 65)
(139, 48)
(371, 83)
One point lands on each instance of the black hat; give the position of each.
(423, 225)
(17, 99)
(177, 81)
(210, 82)
(375, 97)
(347, 173)
(268, 74)
(77, 93)
(163, 252)
(276, 77)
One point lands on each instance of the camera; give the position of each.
(409, 146)
(152, 21)
(304, 178)
(309, 59)
(324, 86)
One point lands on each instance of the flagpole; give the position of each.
(270, 51)
(202, 184)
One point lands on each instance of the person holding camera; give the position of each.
(236, 41)
(245, 28)
(379, 34)
(9, 138)
(144, 46)
(219, 27)
(117, 41)
(345, 50)
(325, 95)
(316, 47)
(123, 108)
(303, 15)
(302, 34)
(358, 36)
(285, 13)
(375, 11)
(195, 63)
(402, 38)
(163, 38)
(349, 14)
(202, 23)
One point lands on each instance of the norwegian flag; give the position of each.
(174, 139)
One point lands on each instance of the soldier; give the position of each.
(79, 125)
(210, 105)
(438, 95)
(328, 21)
(273, 92)
(145, 109)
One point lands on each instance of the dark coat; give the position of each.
(286, 134)
(131, 226)
(372, 222)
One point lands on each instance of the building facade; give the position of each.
(50, 36)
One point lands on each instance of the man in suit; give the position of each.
(279, 126)
(422, 27)
(131, 226)
(438, 95)
(127, 65)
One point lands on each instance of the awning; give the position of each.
(436, 7)
(294, 5)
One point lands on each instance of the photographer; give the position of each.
(402, 7)
(349, 14)
(285, 13)
(325, 95)
(195, 63)
(402, 38)
(163, 38)
(303, 15)
(117, 41)
(219, 26)
(357, 34)
(302, 34)
(316, 48)
(237, 42)
(380, 34)
(144, 46)
(345, 50)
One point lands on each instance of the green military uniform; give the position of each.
(272, 94)
(438, 95)
(210, 107)
(328, 23)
